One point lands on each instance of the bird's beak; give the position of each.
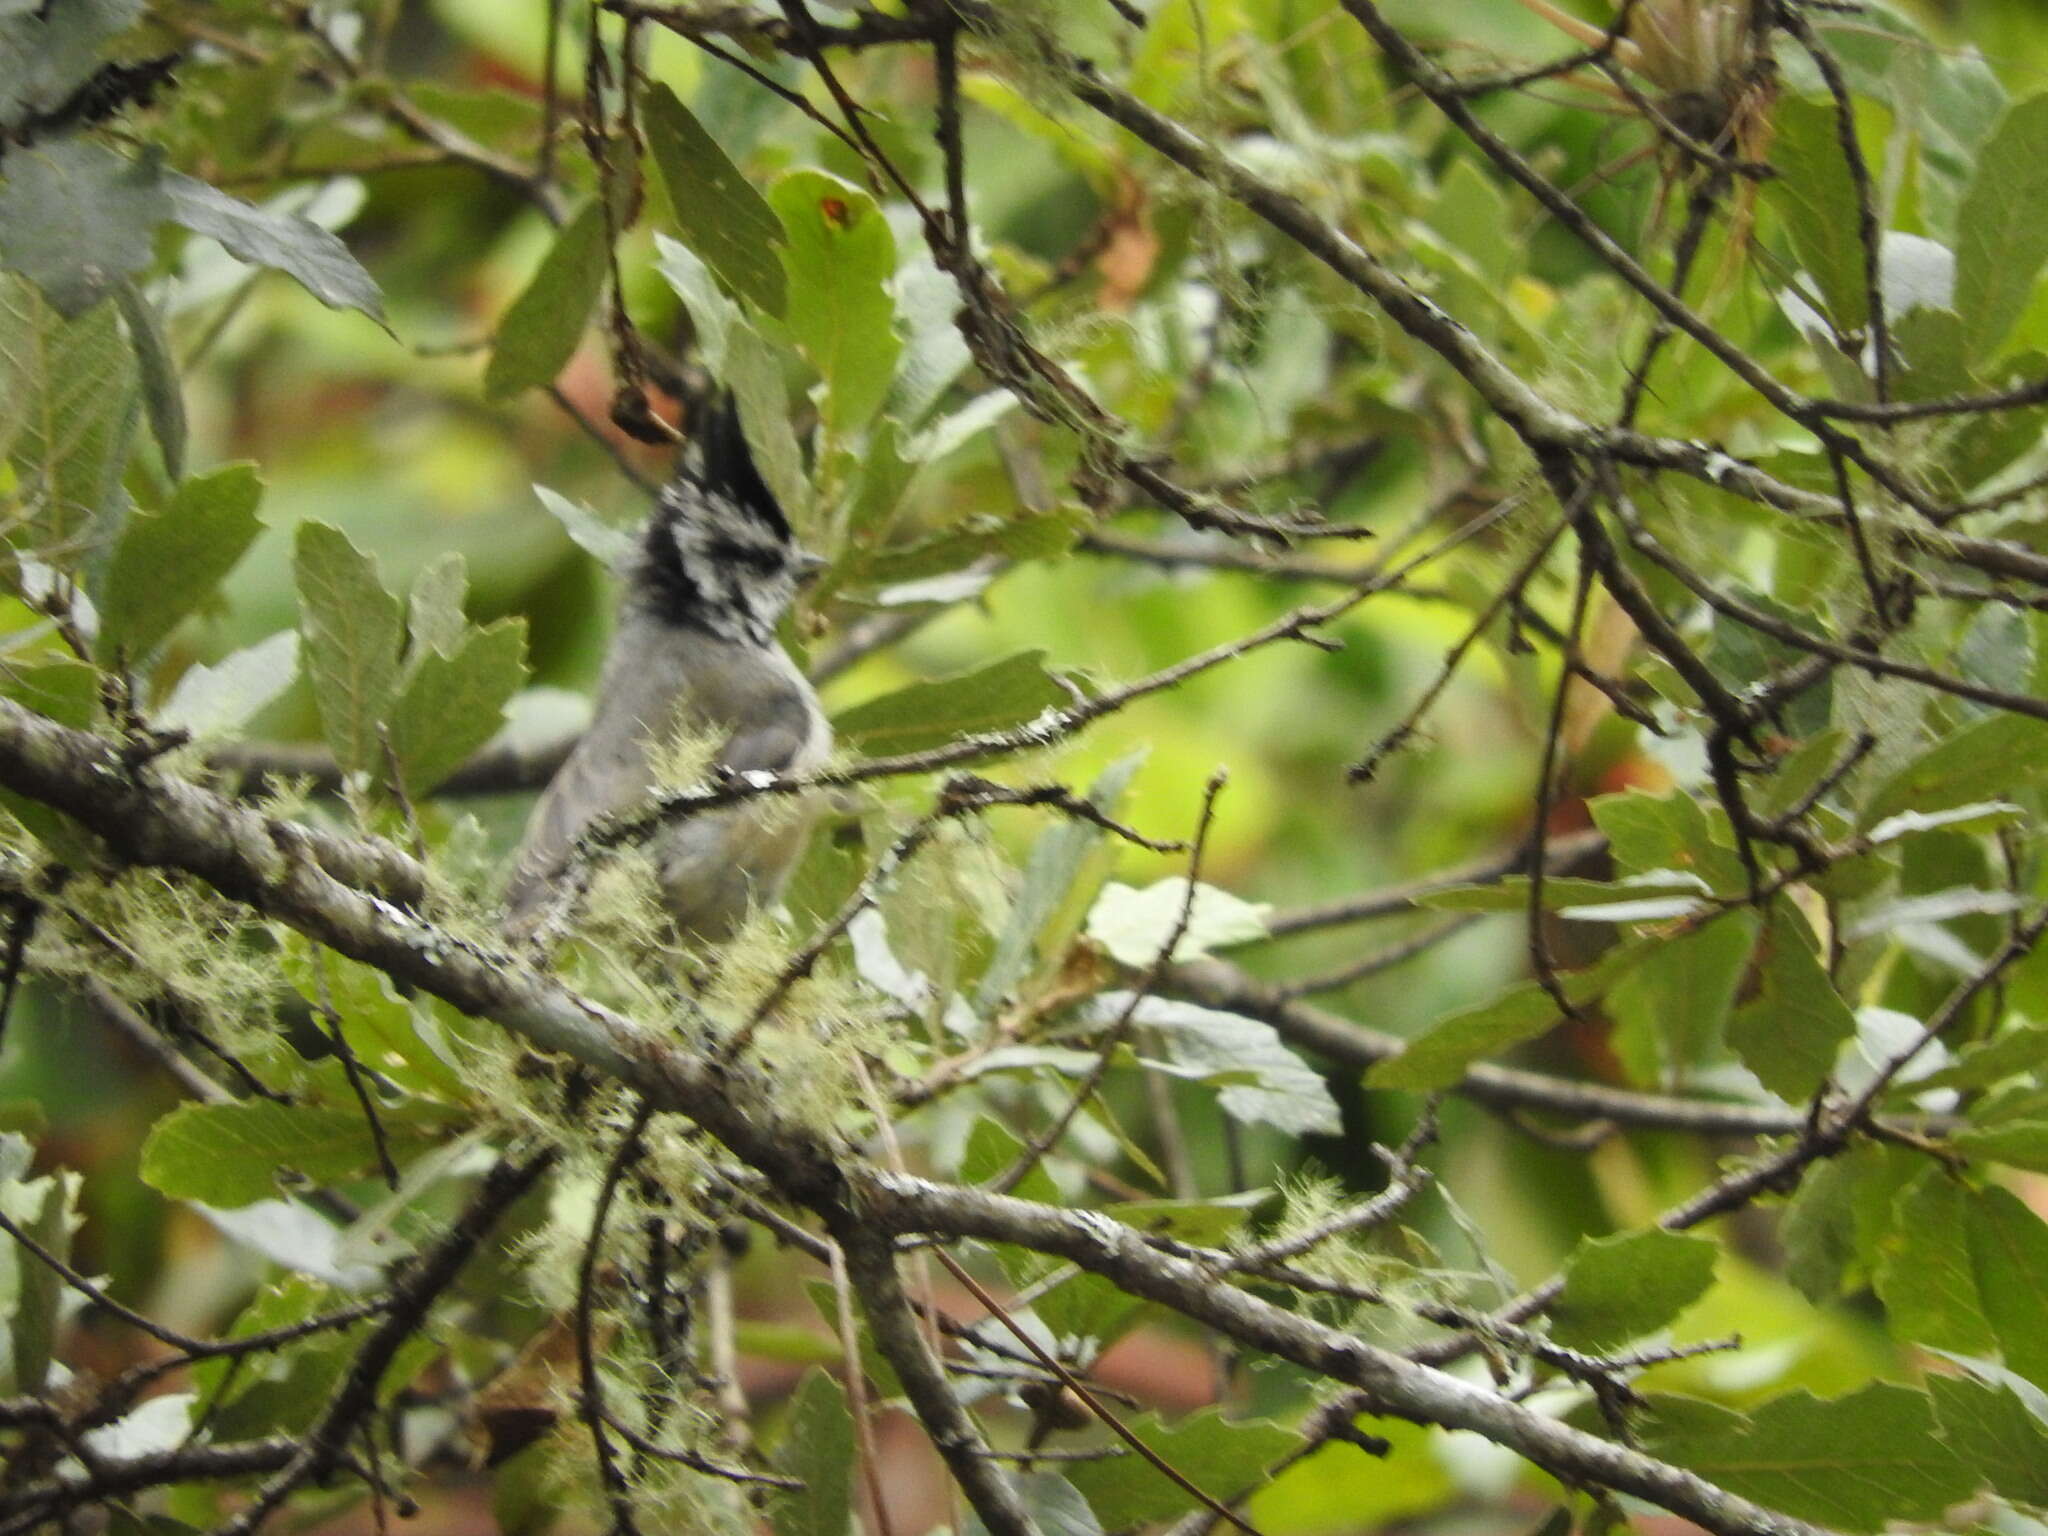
(809, 567)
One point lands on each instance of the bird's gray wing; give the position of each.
(713, 865)
(590, 787)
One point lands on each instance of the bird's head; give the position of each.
(718, 553)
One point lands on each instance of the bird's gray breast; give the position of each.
(660, 682)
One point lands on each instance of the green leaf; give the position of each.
(1039, 537)
(230, 1154)
(1050, 876)
(47, 1208)
(168, 563)
(816, 1446)
(453, 704)
(990, 1150)
(162, 395)
(1223, 1458)
(1620, 1288)
(2016, 1143)
(714, 315)
(352, 632)
(2009, 1246)
(2021, 1048)
(1676, 1003)
(1981, 762)
(1925, 1275)
(285, 242)
(539, 332)
(754, 373)
(1994, 1435)
(1283, 1090)
(1816, 198)
(218, 700)
(1791, 1032)
(1663, 833)
(434, 616)
(1853, 1462)
(1818, 1231)
(611, 547)
(76, 218)
(65, 388)
(2000, 239)
(1512, 893)
(1439, 1056)
(1005, 694)
(1133, 925)
(839, 258)
(718, 213)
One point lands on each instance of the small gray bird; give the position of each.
(695, 652)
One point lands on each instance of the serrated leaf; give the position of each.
(218, 700)
(1994, 1435)
(1654, 833)
(65, 388)
(1818, 1231)
(1134, 925)
(352, 630)
(1924, 1275)
(1222, 1457)
(1622, 1287)
(452, 704)
(76, 218)
(434, 616)
(816, 1446)
(2009, 1247)
(162, 396)
(839, 258)
(1207, 1043)
(284, 242)
(540, 331)
(718, 213)
(2000, 243)
(1852, 1462)
(230, 1154)
(165, 565)
(1791, 1032)
(1673, 1008)
(1004, 694)
(1816, 199)
(1982, 762)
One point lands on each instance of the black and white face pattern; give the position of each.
(718, 553)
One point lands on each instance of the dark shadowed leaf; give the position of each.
(540, 331)
(718, 213)
(76, 218)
